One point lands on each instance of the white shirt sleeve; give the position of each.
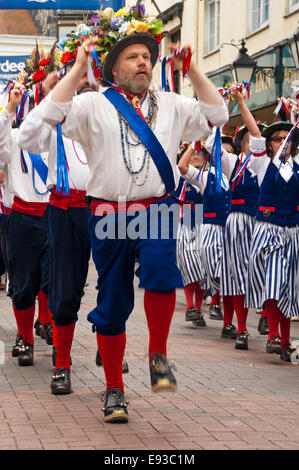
(6, 136)
(259, 160)
(228, 160)
(35, 134)
(195, 118)
(191, 177)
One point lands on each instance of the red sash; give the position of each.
(76, 198)
(30, 208)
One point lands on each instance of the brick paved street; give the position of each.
(226, 399)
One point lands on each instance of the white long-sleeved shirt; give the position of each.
(20, 184)
(201, 182)
(94, 122)
(37, 136)
(260, 163)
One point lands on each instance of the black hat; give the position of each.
(243, 130)
(280, 126)
(140, 38)
(227, 139)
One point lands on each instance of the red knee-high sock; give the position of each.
(199, 296)
(273, 316)
(189, 291)
(228, 310)
(159, 310)
(25, 321)
(17, 321)
(215, 299)
(285, 330)
(241, 312)
(112, 350)
(44, 312)
(64, 340)
(264, 313)
(54, 333)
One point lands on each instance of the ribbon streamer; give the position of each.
(62, 168)
(187, 56)
(216, 156)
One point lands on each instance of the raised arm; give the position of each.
(247, 117)
(210, 99)
(7, 142)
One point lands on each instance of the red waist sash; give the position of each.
(29, 208)
(100, 207)
(76, 198)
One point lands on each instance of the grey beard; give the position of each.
(131, 87)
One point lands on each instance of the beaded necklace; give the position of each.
(126, 144)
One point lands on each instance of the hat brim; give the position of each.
(240, 135)
(279, 126)
(138, 38)
(225, 139)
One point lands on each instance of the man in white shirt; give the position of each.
(122, 168)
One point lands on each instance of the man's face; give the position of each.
(132, 70)
(84, 86)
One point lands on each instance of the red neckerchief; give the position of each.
(135, 100)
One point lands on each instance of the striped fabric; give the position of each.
(211, 253)
(235, 255)
(273, 268)
(188, 255)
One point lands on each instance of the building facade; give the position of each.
(210, 26)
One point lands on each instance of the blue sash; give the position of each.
(146, 135)
(39, 166)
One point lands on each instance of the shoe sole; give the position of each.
(201, 325)
(228, 336)
(117, 417)
(191, 319)
(61, 391)
(26, 362)
(241, 346)
(215, 318)
(277, 351)
(164, 385)
(263, 333)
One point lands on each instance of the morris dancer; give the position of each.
(273, 259)
(106, 135)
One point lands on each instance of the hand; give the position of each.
(84, 51)
(291, 105)
(15, 97)
(178, 60)
(50, 82)
(236, 94)
(2, 176)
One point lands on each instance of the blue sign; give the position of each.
(10, 67)
(61, 4)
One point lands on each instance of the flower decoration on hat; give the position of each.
(114, 29)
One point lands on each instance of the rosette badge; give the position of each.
(117, 30)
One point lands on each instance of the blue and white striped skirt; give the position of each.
(235, 255)
(188, 254)
(211, 253)
(273, 268)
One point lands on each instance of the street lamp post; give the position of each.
(294, 45)
(243, 66)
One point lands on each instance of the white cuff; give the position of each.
(257, 146)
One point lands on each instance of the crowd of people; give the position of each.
(81, 159)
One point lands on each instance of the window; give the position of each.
(293, 5)
(213, 17)
(258, 14)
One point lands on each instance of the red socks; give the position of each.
(112, 350)
(64, 340)
(44, 313)
(159, 310)
(228, 310)
(189, 291)
(276, 318)
(241, 312)
(25, 321)
(215, 299)
(199, 296)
